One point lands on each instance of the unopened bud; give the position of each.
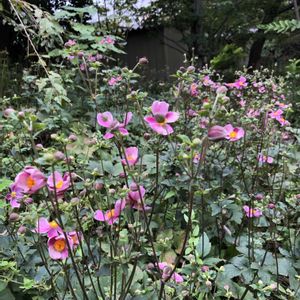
(13, 217)
(143, 61)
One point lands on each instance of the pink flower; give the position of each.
(265, 159)
(15, 195)
(132, 155)
(216, 133)
(196, 158)
(107, 40)
(114, 80)
(275, 114)
(161, 118)
(30, 180)
(58, 247)
(234, 134)
(167, 269)
(242, 103)
(252, 212)
(194, 89)
(51, 228)
(203, 122)
(135, 196)
(106, 120)
(281, 105)
(191, 113)
(253, 113)
(282, 121)
(238, 84)
(70, 43)
(61, 183)
(112, 215)
(75, 236)
(207, 81)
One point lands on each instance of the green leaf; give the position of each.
(204, 246)
(4, 183)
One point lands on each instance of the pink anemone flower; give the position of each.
(51, 228)
(30, 180)
(112, 215)
(14, 196)
(282, 121)
(194, 90)
(135, 196)
(275, 114)
(252, 212)
(281, 105)
(207, 81)
(132, 155)
(58, 247)
(106, 120)
(167, 269)
(216, 133)
(62, 183)
(75, 236)
(265, 159)
(234, 133)
(161, 118)
(238, 84)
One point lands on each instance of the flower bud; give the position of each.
(13, 217)
(216, 133)
(222, 90)
(143, 61)
(208, 283)
(259, 196)
(21, 115)
(8, 112)
(147, 136)
(112, 191)
(271, 205)
(98, 185)
(72, 138)
(204, 269)
(39, 146)
(58, 155)
(22, 229)
(190, 69)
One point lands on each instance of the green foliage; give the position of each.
(281, 26)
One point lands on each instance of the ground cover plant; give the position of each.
(111, 191)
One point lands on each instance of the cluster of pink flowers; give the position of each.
(114, 80)
(228, 132)
(166, 271)
(59, 243)
(107, 40)
(238, 84)
(252, 212)
(107, 120)
(265, 159)
(70, 43)
(133, 198)
(30, 180)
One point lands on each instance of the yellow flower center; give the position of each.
(110, 214)
(30, 182)
(53, 224)
(13, 194)
(59, 184)
(59, 245)
(233, 134)
(130, 157)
